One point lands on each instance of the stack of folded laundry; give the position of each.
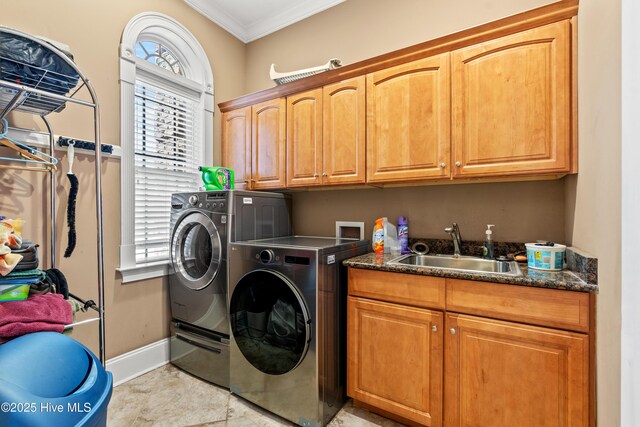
(31, 300)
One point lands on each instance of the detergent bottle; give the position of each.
(403, 234)
(378, 237)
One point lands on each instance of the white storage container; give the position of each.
(545, 256)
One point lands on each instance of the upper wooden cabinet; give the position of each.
(304, 138)
(511, 104)
(268, 142)
(326, 135)
(344, 132)
(236, 145)
(507, 374)
(253, 145)
(408, 121)
(494, 102)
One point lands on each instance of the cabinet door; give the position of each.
(502, 374)
(236, 145)
(304, 138)
(344, 132)
(394, 359)
(408, 121)
(268, 144)
(511, 104)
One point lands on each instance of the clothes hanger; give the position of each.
(28, 154)
(24, 168)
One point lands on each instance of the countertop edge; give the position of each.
(574, 283)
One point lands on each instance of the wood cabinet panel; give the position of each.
(268, 144)
(547, 307)
(421, 291)
(394, 359)
(344, 132)
(304, 139)
(236, 145)
(511, 104)
(505, 374)
(408, 121)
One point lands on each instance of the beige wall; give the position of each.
(137, 313)
(359, 29)
(521, 211)
(594, 196)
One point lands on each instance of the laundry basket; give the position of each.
(48, 379)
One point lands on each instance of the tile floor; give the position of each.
(170, 397)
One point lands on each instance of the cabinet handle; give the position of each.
(434, 328)
(324, 174)
(442, 165)
(458, 164)
(315, 175)
(452, 331)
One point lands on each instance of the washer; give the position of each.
(202, 224)
(287, 306)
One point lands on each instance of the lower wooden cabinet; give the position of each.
(394, 359)
(405, 362)
(507, 374)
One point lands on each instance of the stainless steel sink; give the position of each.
(461, 263)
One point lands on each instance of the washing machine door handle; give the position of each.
(308, 325)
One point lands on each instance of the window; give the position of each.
(167, 132)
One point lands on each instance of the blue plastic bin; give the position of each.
(48, 379)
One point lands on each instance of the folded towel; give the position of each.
(8, 262)
(25, 273)
(48, 312)
(15, 330)
(7, 280)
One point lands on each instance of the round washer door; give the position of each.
(270, 322)
(196, 250)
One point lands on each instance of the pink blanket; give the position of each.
(47, 312)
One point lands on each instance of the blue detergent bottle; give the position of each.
(403, 234)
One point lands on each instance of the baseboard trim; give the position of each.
(139, 361)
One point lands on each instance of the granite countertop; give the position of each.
(566, 279)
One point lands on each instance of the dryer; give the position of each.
(287, 306)
(203, 224)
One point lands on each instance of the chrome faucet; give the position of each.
(454, 232)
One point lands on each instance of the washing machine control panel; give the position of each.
(193, 199)
(216, 202)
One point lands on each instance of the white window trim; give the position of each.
(157, 27)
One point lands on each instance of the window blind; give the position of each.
(168, 150)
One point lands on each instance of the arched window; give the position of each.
(166, 96)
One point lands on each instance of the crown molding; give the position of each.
(263, 25)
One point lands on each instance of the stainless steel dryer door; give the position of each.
(196, 251)
(270, 322)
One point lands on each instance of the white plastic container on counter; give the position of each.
(545, 256)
